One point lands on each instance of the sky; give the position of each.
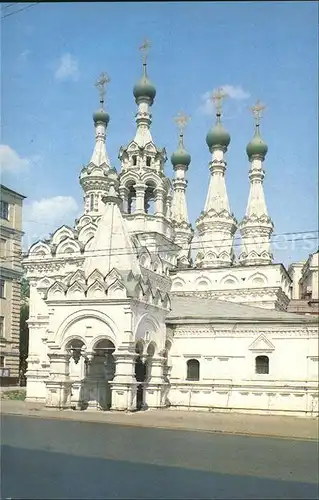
(52, 54)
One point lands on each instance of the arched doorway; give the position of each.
(76, 348)
(100, 370)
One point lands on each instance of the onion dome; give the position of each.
(257, 147)
(101, 116)
(217, 137)
(181, 156)
(144, 87)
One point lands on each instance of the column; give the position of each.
(140, 195)
(168, 206)
(77, 396)
(90, 386)
(155, 388)
(124, 196)
(124, 383)
(58, 384)
(159, 205)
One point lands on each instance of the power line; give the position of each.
(195, 246)
(117, 251)
(19, 10)
(9, 5)
(164, 248)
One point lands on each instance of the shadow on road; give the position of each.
(45, 475)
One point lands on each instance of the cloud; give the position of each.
(68, 68)
(234, 92)
(10, 161)
(40, 218)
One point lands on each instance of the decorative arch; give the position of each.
(76, 291)
(258, 279)
(202, 282)
(45, 282)
(96, 290)
(145, 258)
(211, 256)
(146, 328)
(157, 265)
(178, 284)
(86, 314)
(56, 290)
(61, 234)
(87, 232)
(40, 249)
(68, 246)
(84, 220)
(68, 340)
(104, 343)
(229, 280)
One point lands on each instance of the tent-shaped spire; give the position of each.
(111, 246)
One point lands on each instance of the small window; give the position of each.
(134, 158)
(148, 161)
(262, 364)
(91, 202)
(2, 285)
(1, 326)
(1, 361)
(4, 210)
(193, 369)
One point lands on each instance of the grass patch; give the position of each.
(18, 395)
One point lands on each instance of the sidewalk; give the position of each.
(228, 423)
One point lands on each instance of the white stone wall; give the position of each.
(228, 379)
(238, 284)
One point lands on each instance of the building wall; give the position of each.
(228, 380)
(263, 286)
(10, 270)
(305, 286)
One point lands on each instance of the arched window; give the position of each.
(149, 199)
(134, 158)
(131, 200)
(193, 369)
(262, 364)
(148, 161)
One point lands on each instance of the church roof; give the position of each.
(205, 309)
(111, 245)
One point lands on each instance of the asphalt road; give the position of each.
(44, 458)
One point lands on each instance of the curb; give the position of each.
(162, 427)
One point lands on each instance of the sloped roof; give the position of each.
(111, 245)
(197, 308)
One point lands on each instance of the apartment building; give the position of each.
(10, 275)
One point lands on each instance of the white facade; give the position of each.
(121, 318)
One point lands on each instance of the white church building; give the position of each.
(133, 308)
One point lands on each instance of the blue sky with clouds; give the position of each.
(53, 53)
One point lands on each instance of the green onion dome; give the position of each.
(217, 136)
(181, 156)
(101, 116)
(144, 88)
(257, 147)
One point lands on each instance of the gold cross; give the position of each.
(144, 48)
(103, 80)
(181, 120)
(217, 97)
(257, 111)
